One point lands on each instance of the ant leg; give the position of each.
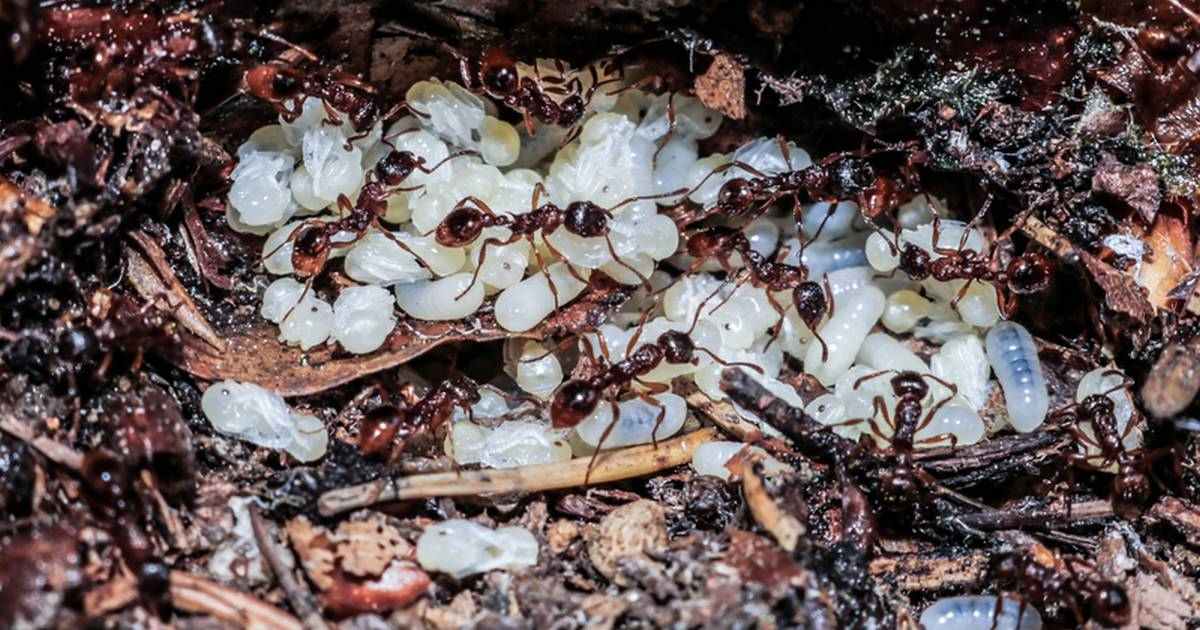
(537, 254)
(303, 294)
(393, 238)
(290, 239)
(870, 376)
(616, 417)
(725, 363)
(479, 264)
(662, 412)
(631, 345)
(617, 259)
(961, 293)
(421, 167)
(670, 129)
(634, 199)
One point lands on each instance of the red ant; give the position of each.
(387, 429)
(1046, 579)
(812, 300)
(464, 224)
(338, 92)
(553, 100)
(1131, 487)
(578, 398)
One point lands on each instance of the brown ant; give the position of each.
(812, 299)
(578, 398)
(553, 100)
(387, 429)
(285, 88)
(585, 219)
(1045, 579)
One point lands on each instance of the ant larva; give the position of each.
(387, 429)
(585, 219)
(576, 400)
(812, 300)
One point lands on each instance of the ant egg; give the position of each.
(656, 235)
(376, 259)
(918, 211)
(525, 304)
(1014, 359)
(672, 165)
(505, 264)
(638, 421)
(302, 190)
(682, 298)
(234, 219)
(712, 458)
(538, 371)
(884, 352)
(511, 444)
(621, 272)
(280, 296)
(459, 548)
(266, 139)
(855, 314)
(904, 309)
(881, 251)
(978, 612)
(362, 318)
(499, 143)
(309, 325)
(261, 417)
(440, 300)
(955, 419)
(963, 361)
(260, 192)
(824, 221)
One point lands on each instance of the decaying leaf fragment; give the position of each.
(723, 87)
(22, 217)
(151, 275)
(1136, 185)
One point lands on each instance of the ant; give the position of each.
(1131, 488)
(578, 398)
(812, 300)
(285, 88)
(553, 100)
(585, 219)
(387, 429)
(908, 419)
(1044, 578)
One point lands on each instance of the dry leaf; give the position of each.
(723, 87)
(1137, 186)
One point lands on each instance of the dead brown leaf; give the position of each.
(723, 87)
(1136, 186)
(1122, 294)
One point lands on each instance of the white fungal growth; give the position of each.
(459, 547)
(978, 612)
(261, 417)
(525, 304)
(448, 298)
(639, 421)
(1014, 359)
(855, 313)
(362, 318)
(712, 458)
(513, 443)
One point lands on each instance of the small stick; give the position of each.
(612, 466)
(194, 594)
(298, 595)
(784, 527)
(56, 452)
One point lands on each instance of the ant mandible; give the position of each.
(585, 219)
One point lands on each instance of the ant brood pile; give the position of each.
(449, 210)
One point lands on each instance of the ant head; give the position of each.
(810, 301)
(498, 73)
(461, 227)
(586, 219)
(310, 249)
(677, 346)
(909, 384)
(272, 82)
(575, 400)
(395, 167)
(1110, 605)
(736, 196)
(1097, 407)
(571, 110)
(914, 261)
(1030, 273)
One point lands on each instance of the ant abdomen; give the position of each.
(575, 400)
(460, 228)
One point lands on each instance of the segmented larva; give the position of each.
(978, 612)
(1015, 361)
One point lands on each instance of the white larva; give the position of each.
(525, 304)
(884, 352)
(309, 325)
(440, 300)
(261, 417)
(825, 221)
(499, 142)
(504, 265)
(460, 548)
(1014, 359)
(377, 259)
(712, 458)
(260, 191)
(513, 443)
(822, 257)
(538, 370)
(636, 423)
(854, 315)
(333, 170)
(362, 318)
(978, 612)
(963, 361)
(955, 419)
(881, 251)
(280, 296)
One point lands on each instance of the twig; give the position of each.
(722, 413)
(194, 594)
(300, 597)
(612, 466)
(991, 520)
(56, 452)
(784, 527)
